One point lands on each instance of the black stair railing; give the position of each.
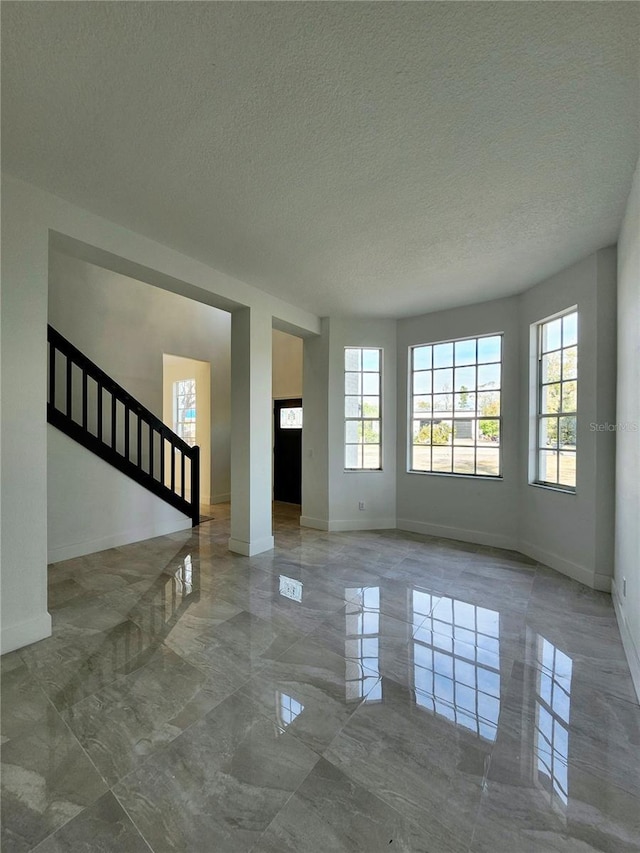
(93, 409)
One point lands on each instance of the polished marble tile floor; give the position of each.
(360, 691)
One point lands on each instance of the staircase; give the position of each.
(91, 408)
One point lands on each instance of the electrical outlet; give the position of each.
(361, 506)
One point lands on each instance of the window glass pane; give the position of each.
(464, 460)
(490, 349)
(570, 363)
(442, 402)
(488, 461)
(465, 401)
(352, 359)
(551, 335)
(551, 367)
(442, 381)
(352, 406)
(422, 382)
(371, 359)
(353, 383)
(567, 433)
(291, 418)
(441, 432)
(549, 466)
(371, 432)
(443, 355)
(548, 432)
(550, 399)
(422, 358)
(422, 404)
(567, 474)
(570, 329)
(371, 407)
(370, 383)
(353, 456)
(352, 432)
(465, 379)
(442, 459)
(371, 456)
(465, 352)
(488, 403)
(489, 430)
(570, 396)
(488, 376)
(421, 459)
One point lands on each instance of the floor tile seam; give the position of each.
(166, 745)
(363, 784)
(131, 818)
(88, 757)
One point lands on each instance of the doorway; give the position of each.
(287, 451)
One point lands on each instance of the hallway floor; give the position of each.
(369, 691)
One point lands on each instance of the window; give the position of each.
(184, 407)
(291, 418)
(456, 423)
(363, 409)
(557, 401)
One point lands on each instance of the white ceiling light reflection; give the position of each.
(456, 663)
(362, 644)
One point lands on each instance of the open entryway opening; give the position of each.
(186, 409)
(288, 421)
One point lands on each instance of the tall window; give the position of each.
(363, 408)
(557, 401)
(184, 407)
(456, 423)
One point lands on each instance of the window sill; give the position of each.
(363, 471)
(563, 491)
(476, 477)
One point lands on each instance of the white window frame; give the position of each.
(538, 415)
(430, 413)
(361, 418)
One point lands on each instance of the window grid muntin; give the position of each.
(475, 419)
(541, 416)
(360, 419)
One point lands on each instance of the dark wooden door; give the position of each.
(287, 451)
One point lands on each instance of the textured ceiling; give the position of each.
(354, 158)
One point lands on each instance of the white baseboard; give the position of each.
(250, 549)
(342, 525)
(222, 498)
(478, 537)
(315, 523)
(566, 567)
(630, 648)
(91, 546)
(24, 633)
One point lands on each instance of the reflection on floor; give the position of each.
(346, 692)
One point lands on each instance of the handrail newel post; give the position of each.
(195, 486)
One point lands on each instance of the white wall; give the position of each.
(125, 326)
(287, 366)
(484, 511)
(323, 432)
(570, 532)
(93, 506)
(573, 532)
(176, 369)
(627, 528)
(31, 219)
